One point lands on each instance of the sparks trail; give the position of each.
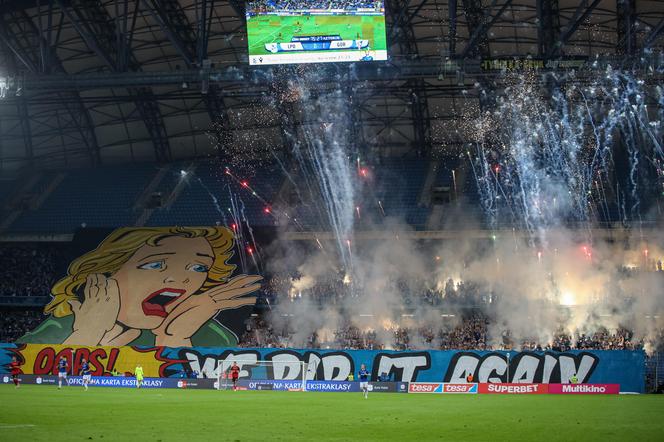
(268, 209)
(214, 199)
(555, 155)
(323, 156)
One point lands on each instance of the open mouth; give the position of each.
(155, 304)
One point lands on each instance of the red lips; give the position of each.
(155, 304)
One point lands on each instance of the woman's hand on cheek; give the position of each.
(192, 313)
(98, 312)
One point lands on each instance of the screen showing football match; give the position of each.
(315, 31)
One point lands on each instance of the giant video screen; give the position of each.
(315, 31)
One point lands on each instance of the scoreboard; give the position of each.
(317, 43)
(281, 32)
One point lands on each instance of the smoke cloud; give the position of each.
(547, 176)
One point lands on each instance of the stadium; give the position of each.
(331, 219)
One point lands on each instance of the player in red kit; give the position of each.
(15, 369)
(235, 374)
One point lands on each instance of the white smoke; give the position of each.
(533, 282)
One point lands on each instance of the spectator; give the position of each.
(14, 323)
(27, 270)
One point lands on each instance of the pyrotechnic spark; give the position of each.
(532, 149)
(567, 299)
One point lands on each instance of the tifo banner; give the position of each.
(43, 359)
(623, 367)
(163, 286)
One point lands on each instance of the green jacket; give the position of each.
(55, 330)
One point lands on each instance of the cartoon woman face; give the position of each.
(158, 278)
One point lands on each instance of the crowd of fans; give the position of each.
(470, 333)
(260, 333)
(621, 339)
(14, 323)
(334, 289)
(27, 270)
(31, 271)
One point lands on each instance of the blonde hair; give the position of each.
(116, 249)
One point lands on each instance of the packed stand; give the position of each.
(470, 333)
(27, 270)
(335, 288)
(15, 323)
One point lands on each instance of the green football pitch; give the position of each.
(274, 29)
(107, 414)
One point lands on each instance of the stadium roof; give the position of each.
(162, 80)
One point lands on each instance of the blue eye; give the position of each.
(199, 268)
(154, 265)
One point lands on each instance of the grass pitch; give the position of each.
(108, 414)
(264, 29)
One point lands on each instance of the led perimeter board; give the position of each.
(315, 31)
